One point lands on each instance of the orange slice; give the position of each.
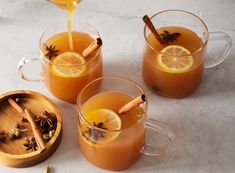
(110, 121)
(69, 64)
(175, 59)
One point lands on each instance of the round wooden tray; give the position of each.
(12, 152)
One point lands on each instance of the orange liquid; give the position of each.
(125, 149)
(66, 4)
(172, 84)
(67, 88)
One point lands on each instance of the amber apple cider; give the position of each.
(60, 81)
(173, 83)
(116, 150)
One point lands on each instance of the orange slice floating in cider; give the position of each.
(105, 119)
(175, 59)
(69, 64)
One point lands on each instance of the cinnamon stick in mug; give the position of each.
(132, 104)
(150, 25)
(28, 115)
(92, 47)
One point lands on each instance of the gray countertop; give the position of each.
(204, 123)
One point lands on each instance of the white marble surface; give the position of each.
(204, 123)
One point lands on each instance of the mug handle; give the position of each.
(220, 57)
(24, 61)
(158, 127)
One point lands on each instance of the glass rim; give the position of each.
(78, 105)
(75, 23)
(181, 11)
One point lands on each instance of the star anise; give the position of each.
(46, 120)
(167, 37)
(31, 144)
(52, 52)
(2, 136)
(93, 133)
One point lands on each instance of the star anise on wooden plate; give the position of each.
(31, 144)
(46, 120)
(167, 37)
(51, 51)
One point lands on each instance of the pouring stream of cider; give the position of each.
(70, 25)
(70, 6)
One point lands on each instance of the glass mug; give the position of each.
(68, 72)
(175, 68)
(101, 141)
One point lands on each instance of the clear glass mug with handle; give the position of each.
(111, 140)
(65, 71)
(174, 68)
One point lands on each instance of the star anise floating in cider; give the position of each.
(164, 38)
(51, 51)
(93, 133)
(167, 37)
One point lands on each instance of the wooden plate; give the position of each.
(12, 152)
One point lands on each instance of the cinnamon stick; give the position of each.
(133, 103)
(28, 115)
(92, 47)
(150, 25)
(17, 107)
(36, 132)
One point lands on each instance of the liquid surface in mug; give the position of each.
(67, 71)
(109, 150)
(174, 69)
